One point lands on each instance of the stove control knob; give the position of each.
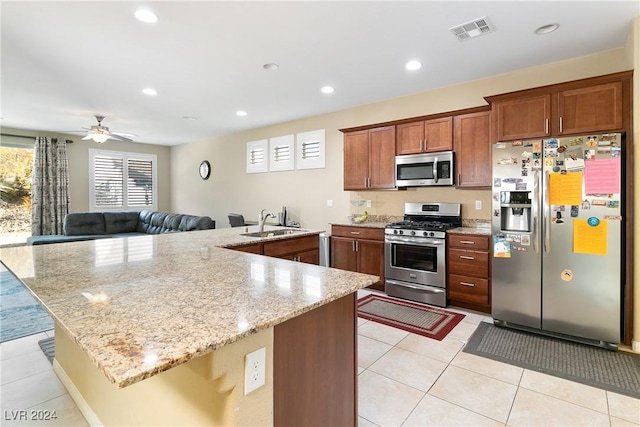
(395, 231)
(425, 233)
(431, 234)
(400, 232)
(413, 233)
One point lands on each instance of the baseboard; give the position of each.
(635, 346)
(82, 404)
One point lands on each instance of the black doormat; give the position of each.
(618, 372)
(47, 346)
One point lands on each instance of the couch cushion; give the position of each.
(121, 222)
(191, 222)
(153, 222)
(84, 223)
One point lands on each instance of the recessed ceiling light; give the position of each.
(149, 91)
(189, 118)
(413, 65)
(270, 67)
(546, 29)
(241, 113)
(327, 89)
(146, 16)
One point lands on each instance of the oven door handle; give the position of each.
(429, 290)
(416, 241)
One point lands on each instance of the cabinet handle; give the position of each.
(354, 232)
(561, 125)
(356, 242)
(353, 246)
(467, 284)
(425, 144)
(466, 257)
(546, 126)
(365, 182)
(467, 242)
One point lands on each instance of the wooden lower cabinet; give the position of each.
(315, 366)
(359, 249)
(469, 271)
(302, 249)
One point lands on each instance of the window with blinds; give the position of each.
(122, 181)
(281, 153)
(311, 150)
(257, 156)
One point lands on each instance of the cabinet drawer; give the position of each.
(469, 289)
(358, 232)
(469, 263)
(255, 248)
(291, 246)
(467, 241)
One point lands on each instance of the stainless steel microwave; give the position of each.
(420, 170)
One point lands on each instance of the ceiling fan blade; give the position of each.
(119, 137)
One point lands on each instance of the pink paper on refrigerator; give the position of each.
(602, 176)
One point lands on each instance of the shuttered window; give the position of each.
(122, 181)
(281, 153)
(311, 148)
(257, 156)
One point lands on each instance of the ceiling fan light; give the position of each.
(99, 137)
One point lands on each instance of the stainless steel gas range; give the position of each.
(415, 250)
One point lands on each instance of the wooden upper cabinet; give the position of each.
(425, 136)
(522, 118)
(369, 159)
(356, 159)
(382, 160)
(439, 134)
(591, 109)
(472, 145)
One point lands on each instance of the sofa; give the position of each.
(102, 225)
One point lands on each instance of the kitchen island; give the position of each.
(153, 330)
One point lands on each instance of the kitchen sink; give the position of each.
(271, 233)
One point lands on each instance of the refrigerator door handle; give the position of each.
(535, 210)
(547, 215)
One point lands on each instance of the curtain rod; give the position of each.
(68, 141)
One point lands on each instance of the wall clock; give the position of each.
(205, 169)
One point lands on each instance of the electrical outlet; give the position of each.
(478, 204)
(255, 370)
(329, 203)
(368, 203)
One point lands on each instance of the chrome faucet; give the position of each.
(262, 218)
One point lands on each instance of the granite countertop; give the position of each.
(481, 231)
(363, 224)
(138, 306)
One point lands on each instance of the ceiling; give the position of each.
(64, 62)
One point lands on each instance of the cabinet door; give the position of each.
(439, 134)
(371, 259)
(591, 109)
(473, 149)
(382, 161)
(410, 138)
(309, 257)
(343, 255)
(356, 160)
(522, 118)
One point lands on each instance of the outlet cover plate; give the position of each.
(255, 370)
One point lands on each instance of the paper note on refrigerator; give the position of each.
(602, 176)
(589, 239)
(565, 189)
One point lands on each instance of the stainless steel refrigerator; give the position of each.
(557, 230)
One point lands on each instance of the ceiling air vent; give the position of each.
(471, 29)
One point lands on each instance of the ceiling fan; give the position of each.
(100, 134)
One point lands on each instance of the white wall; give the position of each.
(305, 192)
(78, 155)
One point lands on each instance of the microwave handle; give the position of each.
(435, 170)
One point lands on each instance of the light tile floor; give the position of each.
(404, 379)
